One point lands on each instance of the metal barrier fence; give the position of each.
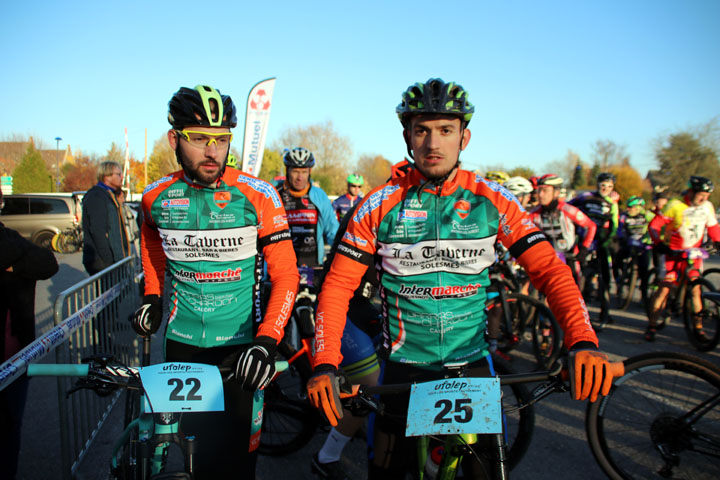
(91, 318)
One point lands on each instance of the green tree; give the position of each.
(31, 175)
(683, 155)
(272, 165)
(162, 160)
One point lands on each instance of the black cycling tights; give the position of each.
(223, 438)
(396, 454)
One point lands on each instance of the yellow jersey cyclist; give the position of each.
(685, 221)
(431, 234)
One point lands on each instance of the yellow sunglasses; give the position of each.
(205, 139)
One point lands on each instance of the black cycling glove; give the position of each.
(255, 367)
(147, 319)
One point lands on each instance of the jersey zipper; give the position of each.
(438, 222)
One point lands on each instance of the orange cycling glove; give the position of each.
(324, 393)
(590, 374)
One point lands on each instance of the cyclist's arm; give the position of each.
(354, 255)
(547, 272)
(713, 229)
(276, 243)
(151, 251)
(329, 219)
(656, 226)
(581, 220)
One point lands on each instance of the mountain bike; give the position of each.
(700, 320)
(69, 241)
(660, 420)
(159, 394)
(441, 414)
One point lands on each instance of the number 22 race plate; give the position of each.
(183, 387)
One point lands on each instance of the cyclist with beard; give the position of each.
(210, 228)
(431, 235)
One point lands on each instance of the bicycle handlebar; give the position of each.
(617, 369)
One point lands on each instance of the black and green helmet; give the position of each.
(435, 96)
(202, 106)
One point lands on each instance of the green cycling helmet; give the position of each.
(355, 179)
(202, 106)
(231, 161)
(635, 201)
(435, 96)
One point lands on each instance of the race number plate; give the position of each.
(183, 387)
(307, 275)
(456, 405)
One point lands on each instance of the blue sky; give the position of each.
(545, 77)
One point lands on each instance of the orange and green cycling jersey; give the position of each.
(432, 247)
(212, 241)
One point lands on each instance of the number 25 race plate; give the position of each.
(455, 405)
(183, 387)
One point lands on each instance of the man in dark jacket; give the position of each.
(22, 263)
(105, 238)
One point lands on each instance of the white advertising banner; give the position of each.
(257, 117)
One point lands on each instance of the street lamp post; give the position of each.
(57, 164)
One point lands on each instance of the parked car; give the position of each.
(39, 216)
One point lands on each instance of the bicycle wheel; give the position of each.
(642, 429)
(626, 286)
(289, 421)
(129, 467)
(547, 336)
(704, 337)
(520, 308)
(713, 276)
(518, 424)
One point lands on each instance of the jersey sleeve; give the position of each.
(581, 220)
(275, 241)
(546, 271)
(151, 249)
(355, 253)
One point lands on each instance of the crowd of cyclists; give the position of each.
(419, 245)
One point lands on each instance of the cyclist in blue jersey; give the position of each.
(310, 214)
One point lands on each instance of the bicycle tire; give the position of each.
(289, 421)
(627, 285)
(706, 339)
(547, 336)
(712, 274)
(520, 311)
(129, 467)
(626, 428)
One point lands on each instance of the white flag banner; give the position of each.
(257, 117)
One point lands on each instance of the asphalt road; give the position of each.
(558, 448)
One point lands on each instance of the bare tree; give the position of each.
(332, 152)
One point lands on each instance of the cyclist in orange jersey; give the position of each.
(431, 235)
